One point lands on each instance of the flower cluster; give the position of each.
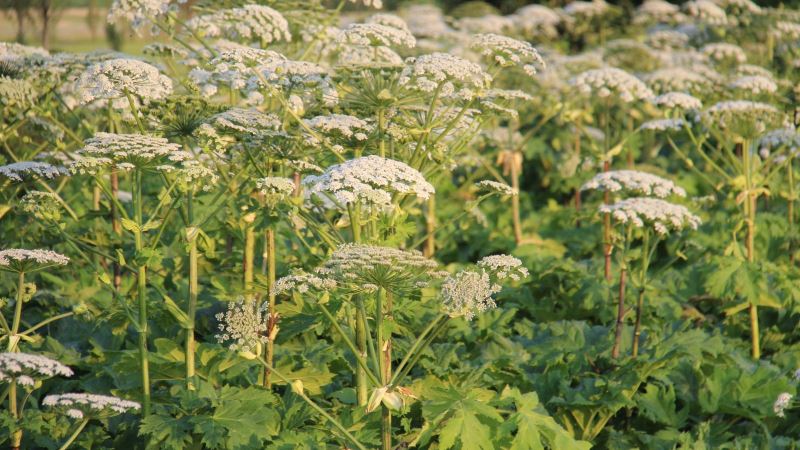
(27, 368)
(341, 127)
(444, 74)
(117, 78)
(139, 13)
(663, 125)
(275, 189)
(371, 180)
(252, 23)
(494, 186)
(782, 403)
(614, 82)
(503, 267)
(658, 11)
(246, 121)
(42, 205)
(678, 100)
(369, 267)
(242, 327)
(706, 11)
(633, 181)
(661, 215)
(22, 260)
(302, 282)
(376, 35)
(678, 79)
(18, 170)
(468, 293)
(126, 152)
(724, 52)
(508, 52)
(742, 116)
(84, 406)
(754, 84)
(536, 20)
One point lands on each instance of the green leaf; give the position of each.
(151, 224)
(166, 433)
(535, 429)
(130, 225)
(657, 403)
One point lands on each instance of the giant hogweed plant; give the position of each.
(267, 126)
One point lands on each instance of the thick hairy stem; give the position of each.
(620, 313)
(16, 436)
(249, 255)
(272, 320)
(362, 392)
(386, 371)
(115, 225)
(607, 231)
(743, 149)
(515, 204)
(74, 435)
(13, 339)
(141, 283)
(430, 227)
(637, 328)
(191, 237)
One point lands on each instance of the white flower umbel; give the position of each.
(634, 181)
(787, 137)
(754, 84)
(586, 10)
(612, 82)
(742, 116)
(376, 35)
(341, 127)
(678, 79)
(139, 14)
(233, 67)
(19, 170)
(725, 53)
(359, 57)
(26, 367)
(652, 212)
(113, 78)
(250, 23)
(679, 101)
(536, 20)
(242, 327)
(371, 180)
(663, 125)
(706, 11)
(304, 80)
(389, 20)
(782, 403)
(42, 205)
(302, 283)
(369, 266)
(377, 4)
(667, 39)
(275, 189)
(468, 293)
(22, 260)
(508, 52)
(86, 406)
(494, 186)
(128, 151)
(658, 11)
(787, 31)
(194, 176)
(503, 267)
(246, 121)
(445, 73)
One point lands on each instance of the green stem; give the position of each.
(74, 435)
(13, 340)
(191, 237)
(646, 252)
(141, 280)
(358, 355)
(16, 435)
(272, 319)
(750, 217)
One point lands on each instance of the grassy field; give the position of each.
(70, 31)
